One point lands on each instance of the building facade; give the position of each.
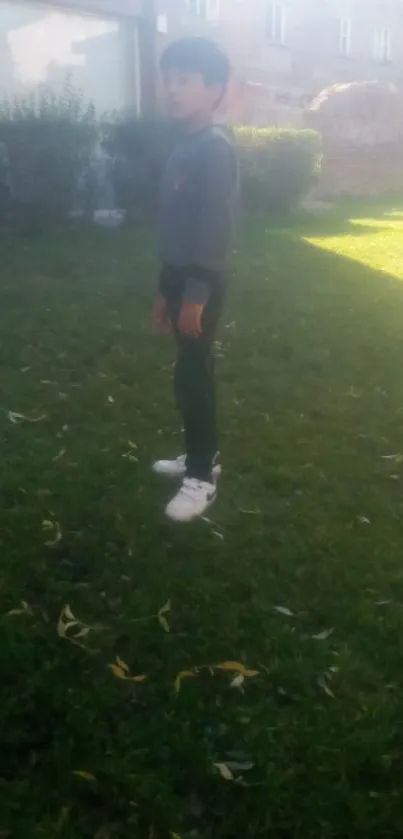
(285, 52)
(103, 48)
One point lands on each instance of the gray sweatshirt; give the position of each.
(198, 205)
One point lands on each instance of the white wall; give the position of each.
(109, 7)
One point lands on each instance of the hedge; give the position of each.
(278, 166)
(57, 159)
(46, 143)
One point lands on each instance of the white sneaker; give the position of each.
(192, 500)
(177, 468)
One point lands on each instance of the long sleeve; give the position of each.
(218, 187)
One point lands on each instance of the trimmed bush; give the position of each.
(56, 156)
(278, 167)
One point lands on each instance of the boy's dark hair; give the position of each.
(197, 55)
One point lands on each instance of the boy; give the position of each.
(197, 210)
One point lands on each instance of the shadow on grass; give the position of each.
(337, 218)
(316, 301)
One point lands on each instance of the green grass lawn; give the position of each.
(298, 575)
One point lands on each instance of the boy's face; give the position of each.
(188, 96)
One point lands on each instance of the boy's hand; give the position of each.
(160, 316)
(190, 320)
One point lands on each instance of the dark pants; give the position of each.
(194, 372)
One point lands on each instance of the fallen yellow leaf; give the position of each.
(117, 671)
(236, 667)
(122, 664)
(80, 773)
(121, 671)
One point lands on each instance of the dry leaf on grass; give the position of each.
(396, 458)
(121, 671)
(68, 621)
(326, 689)
(161, 616)
(236, 667)
(54, 528)
(238, 681)
(322, 636)
(224, 771)
(16, 418)
(25, 609)
(240, 765)
(117, 671)
(122, 664)
(284, 610)
(86, 776)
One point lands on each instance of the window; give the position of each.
(382, 45)
(213, 9)
(344, 36)
(206, 9)
(276, 23)
(45, 46)
(162, 24)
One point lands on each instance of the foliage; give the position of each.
(46, 141)
(139, 148)
(50, 161)
(278, 166)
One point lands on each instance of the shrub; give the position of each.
(56, 156)
(46, 142)
(278, 166)
(139, 149)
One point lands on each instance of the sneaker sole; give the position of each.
(217, 472)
